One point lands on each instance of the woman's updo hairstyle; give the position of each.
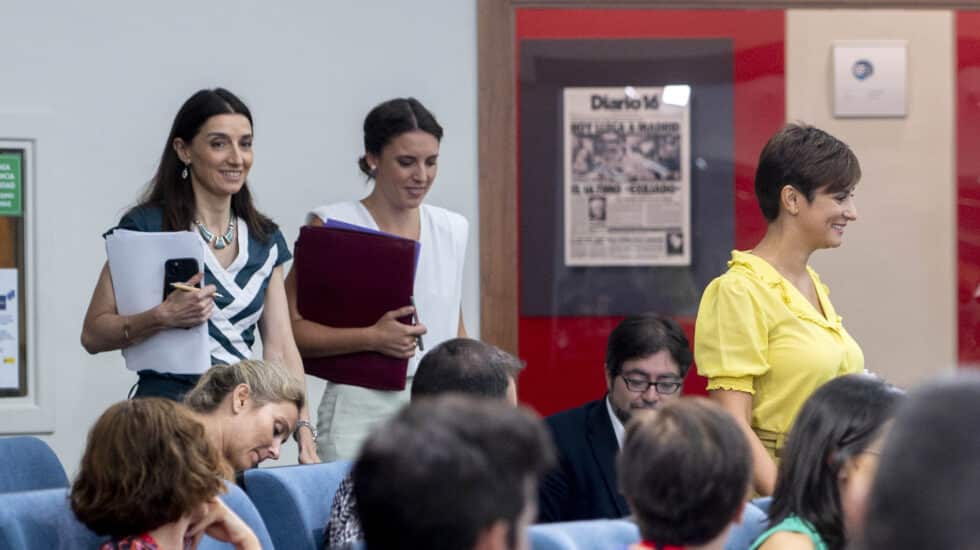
(392, 119)
(267, 382)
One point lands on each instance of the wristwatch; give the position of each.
(299, 425)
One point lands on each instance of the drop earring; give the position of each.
(184, 173)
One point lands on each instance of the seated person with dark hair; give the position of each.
(924, 493)
(464, 365)
(647, 358)
(685, 472)
(150, 479)
(451, 473)
(460, 365)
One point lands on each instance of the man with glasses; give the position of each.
(646, 360)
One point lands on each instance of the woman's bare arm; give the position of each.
(739, 405)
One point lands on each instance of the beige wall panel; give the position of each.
(893, 280)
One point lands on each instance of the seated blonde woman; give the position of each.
(248, 410)
(150, 479)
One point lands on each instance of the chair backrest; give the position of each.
(44, 520)
(762, 503)
(547, 537)
(295, 501)
(598, 534)
(603, 534)
(28, 464)
(741, 536)
(238, 501)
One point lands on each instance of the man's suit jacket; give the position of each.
(583, 486)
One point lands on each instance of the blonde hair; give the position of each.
(268, 383)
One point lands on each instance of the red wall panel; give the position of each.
(565, 354)
(968, 184)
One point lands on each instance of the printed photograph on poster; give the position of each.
(626, 176)
(9, 330)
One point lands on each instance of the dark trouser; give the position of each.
(163, 384)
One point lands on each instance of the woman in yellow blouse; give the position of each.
(767, 335)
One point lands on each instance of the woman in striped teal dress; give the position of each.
(200, 185)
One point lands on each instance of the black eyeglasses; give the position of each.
(640, 385)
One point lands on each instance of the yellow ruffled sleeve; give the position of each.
(731, 336)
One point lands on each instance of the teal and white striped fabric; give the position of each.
(242, 284)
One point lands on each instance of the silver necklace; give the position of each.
(218, 241)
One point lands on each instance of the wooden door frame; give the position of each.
(498, 194)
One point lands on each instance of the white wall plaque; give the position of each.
(870, 78)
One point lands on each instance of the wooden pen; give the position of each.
(188, 288)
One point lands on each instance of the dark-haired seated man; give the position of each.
(460, 365)
(451, 473)
(685, 472)
(646, 360)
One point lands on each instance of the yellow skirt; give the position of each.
(772, 441)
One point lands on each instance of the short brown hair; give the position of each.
(268, 383)
(685, 471)
(806, 158)
(147, 463)
(461, 365)
(511, 364)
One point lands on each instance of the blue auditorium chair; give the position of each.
(44, 520)
(754, 523)
(238, 501)
(28, 464)
(598, 534)
(295, 501)
(616, 534)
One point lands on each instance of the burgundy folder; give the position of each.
(350, 278)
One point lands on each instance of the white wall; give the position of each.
(894, 278)
(112, 75)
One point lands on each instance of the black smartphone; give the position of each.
(177, 270)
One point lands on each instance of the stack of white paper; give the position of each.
(136, 263)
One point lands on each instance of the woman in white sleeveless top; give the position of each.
(401, 143)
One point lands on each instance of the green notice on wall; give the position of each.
(11, 184)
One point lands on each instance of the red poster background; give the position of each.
(968, 184)
(565, 354)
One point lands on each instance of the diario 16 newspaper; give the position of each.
(627, 183)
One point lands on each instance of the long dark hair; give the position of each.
(174, 195)
(838, 422)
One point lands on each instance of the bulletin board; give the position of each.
(15, 165)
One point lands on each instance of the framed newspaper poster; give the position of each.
(732, 60)
(627, 181)
(647, 178)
